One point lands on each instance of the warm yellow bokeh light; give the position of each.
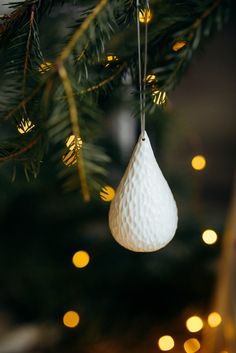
(71, 319)
(81, 259)
(194, 324)
(179, 45)
(159, 97)
(145, 16)
(107, 193)
(150, 78)
(198, 162)
(70, 142)
(44, 67)
(214, 319)
(209, 236)
(192, 345)
(224, 352)
(25, 126)
(166, 343)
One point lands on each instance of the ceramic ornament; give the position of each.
(143, 215)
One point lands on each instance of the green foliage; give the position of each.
(64, 99)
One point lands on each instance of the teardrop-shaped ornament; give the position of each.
(143, 215)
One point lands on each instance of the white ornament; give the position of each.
(143, 215)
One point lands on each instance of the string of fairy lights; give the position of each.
(81, 258)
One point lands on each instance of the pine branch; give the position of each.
(206, 13)
(104, 82)
(75, 129)
(78, 76)
(8, 19)
(24, 102)
(78, 34)
(28, 44)
(20, 151)
(172, 65)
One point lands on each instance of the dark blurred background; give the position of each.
(126, 301)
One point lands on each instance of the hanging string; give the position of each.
(142, 75)
(139, 64)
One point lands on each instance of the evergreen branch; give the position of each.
(175, 72)
(84, 26)
(27, 53)
(20, 151)
(104, 82)
(78, 59)
(75, 129)
(173, 66)
(8, 19)
(65, 52)
(205, 14)
(103, 26)
(23, 102)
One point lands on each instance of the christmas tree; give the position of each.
(69, 107)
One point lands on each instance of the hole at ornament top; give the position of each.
(143, 139)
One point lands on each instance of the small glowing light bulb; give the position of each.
(110, 58)
(71, 319)
(198, 162)
(194, 324)
(150, 78)
(25, 126)
(166, 343)
(71, 142)
(107, 193)
(44, 67)
(159, 97)
(209, 236)
(179, 45)
(192, 345)
(70, 158)
(145, 16)
(214, 319)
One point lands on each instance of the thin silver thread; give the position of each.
(142, 78)
(139, 64)
(145, 71)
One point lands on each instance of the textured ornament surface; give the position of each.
(143, 214)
